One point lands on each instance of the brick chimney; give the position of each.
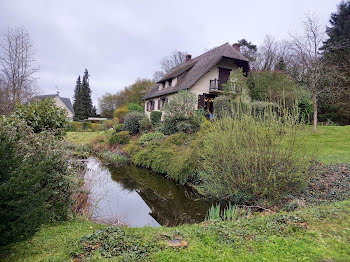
(188, 57)
(237, 47)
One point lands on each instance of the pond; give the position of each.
(139, 197)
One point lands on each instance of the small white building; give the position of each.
(203, 75)
(62, 102)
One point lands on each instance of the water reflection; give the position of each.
(140, 197)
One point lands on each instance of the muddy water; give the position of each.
(139, 197)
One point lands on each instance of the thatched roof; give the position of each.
(190, 72)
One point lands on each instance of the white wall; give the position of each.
(61, 104)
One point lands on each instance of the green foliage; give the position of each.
(43, 115)
(278, 87)
(150, 138)
(223, 106)
(121, 138)
(181, 105)
(336, 78)
(35, 182)
(236, 87)
(176, 155)
(118, 127)
(145, 125)
(82, 105)
(248, 49)
(155, 117)
(180, 114)
(253, 157)
(113, 158)
(86, 125)
(134, 107)
(229, 213)
(119, 114)
(132, 122)
(187, 125)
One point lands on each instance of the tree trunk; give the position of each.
(315, 114)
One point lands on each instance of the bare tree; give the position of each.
(169, 62)
(306, 51)
(17, 66)
(267, 54)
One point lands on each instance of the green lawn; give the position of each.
(324, 236)
(84, 137)
(332, 144)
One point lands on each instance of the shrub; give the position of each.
(95, 127)
(132, 122)
(181, 114)
(250, 158)
(118, 127)
(145, 125)
(181, 105)
(121, 138)
(43, 115)
(109, 124)
(151, 137)
(120, 113)
(86, 126)
(36, 182)
(74, 126)
(223, 106)
(189, 126)
(155, 117)
(174, 125)
(134, 107)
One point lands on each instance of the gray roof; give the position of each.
(190, 72)
(66, 101)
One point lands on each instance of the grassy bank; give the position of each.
(313, 234)
(331, 142)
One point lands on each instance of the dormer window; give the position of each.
(170, 82)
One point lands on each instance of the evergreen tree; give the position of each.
(248, 49)
(86, 96)
(336, 56)
(77, 105)
(94, 111)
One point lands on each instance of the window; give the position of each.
(162, 102)
(150, 105)
(170, 82)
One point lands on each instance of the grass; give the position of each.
(82, 138)
(332, 144)
(52, 243)
(313, 234)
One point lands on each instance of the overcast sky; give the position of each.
(119, 41)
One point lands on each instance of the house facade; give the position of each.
(203, 75)
(61, 102)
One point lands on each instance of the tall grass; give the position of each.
(254, 156)
(230, 213)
